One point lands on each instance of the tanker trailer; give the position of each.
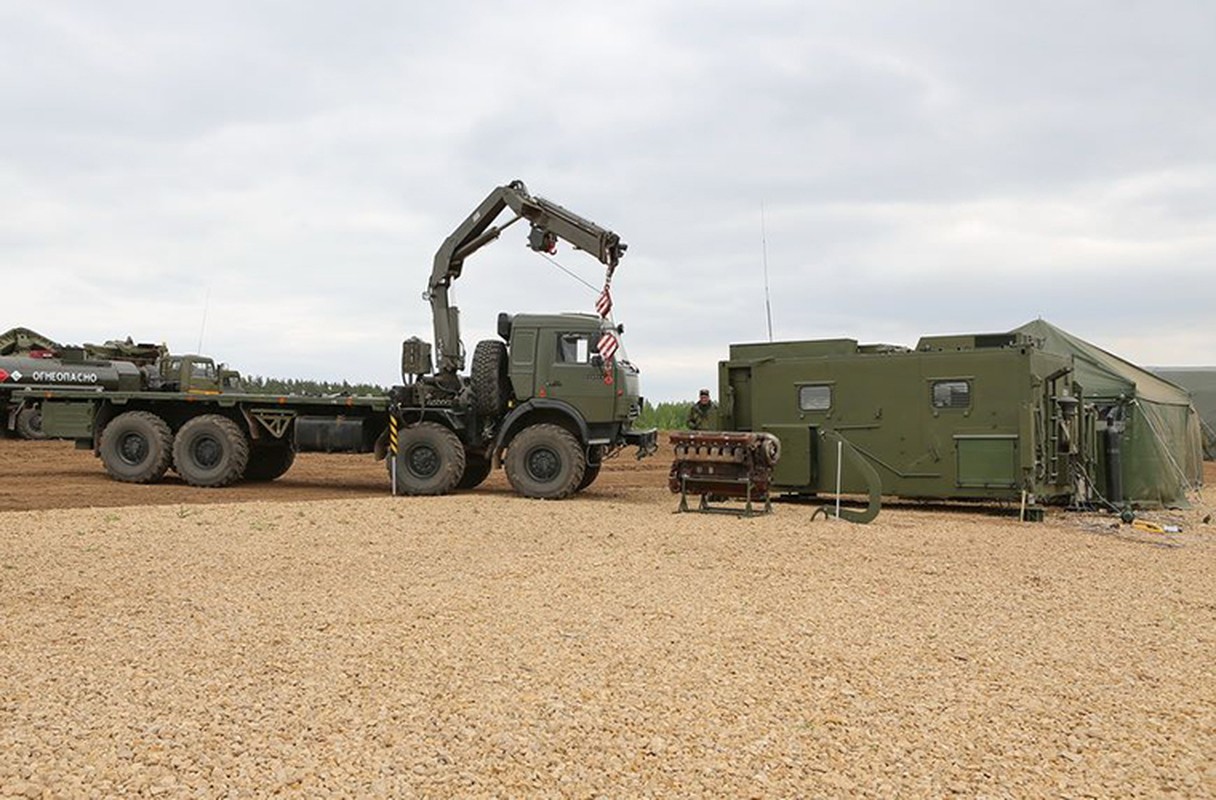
(70, 370)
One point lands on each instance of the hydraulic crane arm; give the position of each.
(549, 222)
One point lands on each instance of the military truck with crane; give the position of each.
(549, 400)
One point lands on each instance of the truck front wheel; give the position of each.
(430, 460)
(210, 451)
(136, 447)
(545, 461)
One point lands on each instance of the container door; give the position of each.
(796, 468)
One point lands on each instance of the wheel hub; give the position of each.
(133, 449)
(543, 464)
(206, 451)
(422, 461)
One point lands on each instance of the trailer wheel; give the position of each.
(476, 470)
(268, 463)
(210, 451)
(488, 375)
(29, 423)
(430, 460)
(546, 462)
(136, 447)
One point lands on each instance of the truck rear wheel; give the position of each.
(29, 423)
(136, 447)
(488, 376)
(210, 451)
(476, 470)
(430, 460)
(268, 463)
(546, 462)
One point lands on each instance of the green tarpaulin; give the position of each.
(1201, 383)
(1162, 445)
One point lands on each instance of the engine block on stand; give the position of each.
(719, 465)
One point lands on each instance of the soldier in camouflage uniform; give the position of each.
(700, 416)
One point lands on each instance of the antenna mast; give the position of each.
(768, 306)
(203, 325)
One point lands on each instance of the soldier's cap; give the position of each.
(705, 392)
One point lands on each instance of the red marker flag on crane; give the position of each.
(608, 345)
(603, 305)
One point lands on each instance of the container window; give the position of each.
(951, 394)
(814, 398)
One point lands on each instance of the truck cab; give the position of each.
(554, 357)
(189, 373)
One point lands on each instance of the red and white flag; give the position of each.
(608, 345)
(603, 305)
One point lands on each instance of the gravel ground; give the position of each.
(489, 646)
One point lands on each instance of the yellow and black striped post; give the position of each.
(392, 449)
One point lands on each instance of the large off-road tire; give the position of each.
(545, 461)
(430, 460)
(210, 451)
(488, 376)
(29, 423)
(476, 470)
(268, 463)
(136, 447)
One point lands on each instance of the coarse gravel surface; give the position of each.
(484, 645)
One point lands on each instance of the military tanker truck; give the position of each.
(549, 400)
(41, 356)
(186, 413)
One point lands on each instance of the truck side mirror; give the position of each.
(597, 360)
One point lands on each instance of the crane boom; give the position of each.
(549, 223)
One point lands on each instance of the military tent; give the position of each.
(1155, 443)
(1201, 383)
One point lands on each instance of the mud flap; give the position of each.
(873, 482)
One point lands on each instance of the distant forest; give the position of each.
(664, 416)
(262, 385)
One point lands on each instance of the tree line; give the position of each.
(259, 384)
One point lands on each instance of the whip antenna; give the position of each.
(768, 306)
(203, 325)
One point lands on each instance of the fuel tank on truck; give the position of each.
(22, 373)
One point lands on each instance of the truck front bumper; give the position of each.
(647, 441)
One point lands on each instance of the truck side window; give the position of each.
(814, 398)
(573, 348)
(951, 394)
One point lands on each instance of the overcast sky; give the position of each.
(276, 176)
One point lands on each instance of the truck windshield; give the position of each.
(203, 369)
